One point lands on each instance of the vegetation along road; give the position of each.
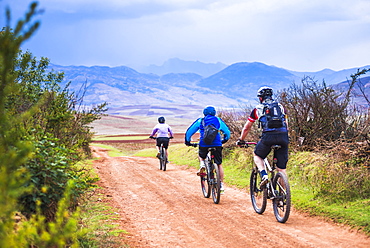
(167, 209)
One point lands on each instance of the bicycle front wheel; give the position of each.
(204, 182)
(258, 193)
(216, 184)
(281, 203)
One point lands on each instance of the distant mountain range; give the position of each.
(185, 83)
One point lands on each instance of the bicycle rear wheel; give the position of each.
(281, 203)
(161, 158)
(258, 194)
(204, 182)
(164, 159)
(216, 184)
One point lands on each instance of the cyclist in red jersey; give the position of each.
(270, 136)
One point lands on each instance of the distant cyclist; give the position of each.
(163, 134)
(270, 136)
(209, 118)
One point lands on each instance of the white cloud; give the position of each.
(294, 34)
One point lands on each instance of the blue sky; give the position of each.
(300, 35)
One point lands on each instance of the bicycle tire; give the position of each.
(204, 182)
(258, 194)
(216, 184)
(164, 159)
(161, 158)
(282, 202)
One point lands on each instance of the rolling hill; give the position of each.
(232, 86)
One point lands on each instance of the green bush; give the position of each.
(43, 134)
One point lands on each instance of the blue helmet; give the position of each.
(210, 110)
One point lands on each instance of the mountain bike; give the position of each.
(210, 179)
(162, 157)
(276, 189)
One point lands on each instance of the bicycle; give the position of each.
(210, 179)
(276, 189)
(162, 157)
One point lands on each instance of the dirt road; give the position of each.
(167, 209)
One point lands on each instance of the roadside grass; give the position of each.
(110, 137)
(238, 163)
(97, 217)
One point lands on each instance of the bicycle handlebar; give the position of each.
(152, 137)
(247, 144)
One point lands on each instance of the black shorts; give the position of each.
(263, 147)
(163, 140)
(203, 151)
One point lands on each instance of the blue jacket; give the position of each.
(209, 119)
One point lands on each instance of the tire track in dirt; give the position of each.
(167, 209)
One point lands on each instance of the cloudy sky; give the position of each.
(300, 35)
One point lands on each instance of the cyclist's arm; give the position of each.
(192, 130)
(155, 130)
(247, 127)
(170, 131)
(224, 129)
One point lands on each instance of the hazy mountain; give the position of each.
(330, 76)
(122, 85)
(176, 65)
(359, 92)
(233, 86)
(244, 79)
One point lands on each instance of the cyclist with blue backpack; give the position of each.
(202, 124)
(272, 119)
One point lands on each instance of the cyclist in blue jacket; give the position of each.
(209, 118)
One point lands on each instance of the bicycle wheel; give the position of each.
(164, 159)
(204, 182)
(258, 194)
(216, 184)
(161, 158)
(281, 203)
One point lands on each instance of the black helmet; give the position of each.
(161, 119)
(264, 92)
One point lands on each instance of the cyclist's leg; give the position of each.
(202, 154)
(218, 160)
(282, 153)
(166, 142)
(158, 146)
(259, 162)
(260, 153)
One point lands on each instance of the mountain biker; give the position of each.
(270, 136)
(161, 130)
(209, 118)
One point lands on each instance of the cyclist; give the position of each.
(161, 130)
(209, 118)
(270, 136)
